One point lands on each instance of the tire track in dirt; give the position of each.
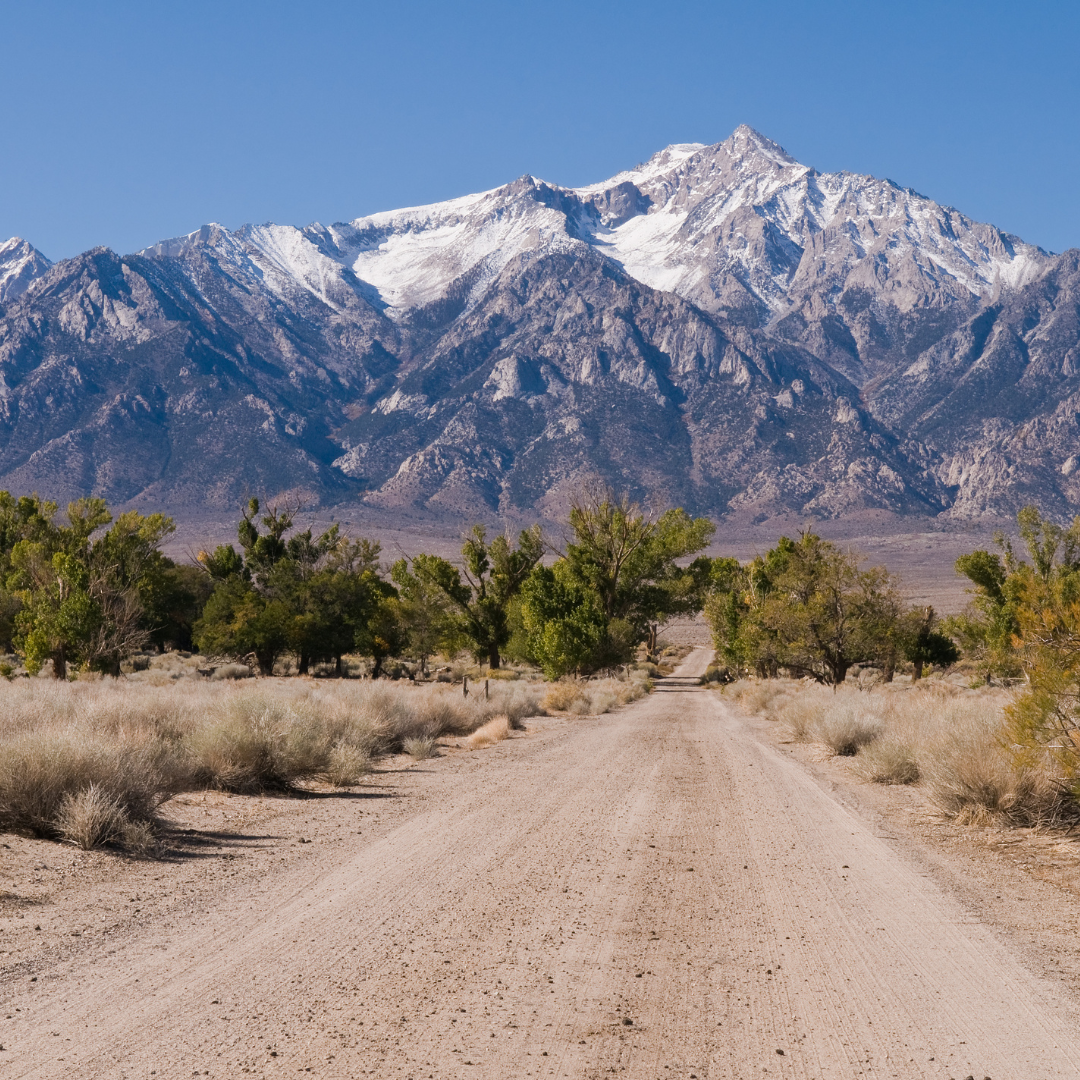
(652, 893)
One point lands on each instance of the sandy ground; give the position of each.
(665, 891)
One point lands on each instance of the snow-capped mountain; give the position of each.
(720, 326)
(20, 265)
(723, 226)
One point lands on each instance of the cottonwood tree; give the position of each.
(628, 559)
(616, 583)
(922, 643)
(479, 593)
(807, 607)
(310, 596)
(80, 586)
(425, 616)
(564, 624)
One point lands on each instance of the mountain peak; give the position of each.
(21, 264)
(208, 235)
(745, 139)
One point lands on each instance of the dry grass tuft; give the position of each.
(947, 738)
(972, 777)
(420, 747)
(71, 751)
(761, 696)
(90, 818)
(494, 731)
(847, 728)
(346, 764)
(843, 723)
(889, 760)
(561, 696)
(595, 697)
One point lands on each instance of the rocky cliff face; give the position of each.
(720, 327)
(21, 264)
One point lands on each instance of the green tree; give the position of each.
(480, 593)
(312, 596)
(988, 629)
(59, 617)
(79, 586)
(383, 634)
(1028, 617)
(923, 644)
(629, 560)
(805, 606)
(238, 620)
(425, 616)
(173, 598)
(563, 622)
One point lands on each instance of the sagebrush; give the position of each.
(92, 762)
(954, 741)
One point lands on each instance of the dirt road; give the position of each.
(658, 892)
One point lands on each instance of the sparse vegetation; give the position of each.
(495, 730)
(419, 747)
(92, 762)
(594, 697)
(952, 740)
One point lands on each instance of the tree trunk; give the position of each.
(59, 664)
(266, 663)
(493, 657)
(918, 670)
(303, 664)
(337, 668)
(838, 669)
(888, 670)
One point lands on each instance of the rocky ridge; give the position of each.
(721, 327)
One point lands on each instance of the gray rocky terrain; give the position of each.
(721, 327)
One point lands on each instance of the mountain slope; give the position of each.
(21, 264)
(721, 327)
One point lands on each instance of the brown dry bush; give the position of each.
(495, 730)
(41, 770)
(90, 818)
(762, 696)
(843, 722)
(594, 697)
(69, 751)
(562, 695)
(949, 739)
(973, 776)
(889, 760)
(420, 747)
(346, 764)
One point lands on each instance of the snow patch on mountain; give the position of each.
(737, 222)
(21, 264)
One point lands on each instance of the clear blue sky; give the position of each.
(127, 122)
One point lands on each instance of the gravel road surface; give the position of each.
(655, 893)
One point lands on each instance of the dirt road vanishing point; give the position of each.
(655, 893)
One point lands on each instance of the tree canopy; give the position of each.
(77, 592)
(617, 582)
(804, 606)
